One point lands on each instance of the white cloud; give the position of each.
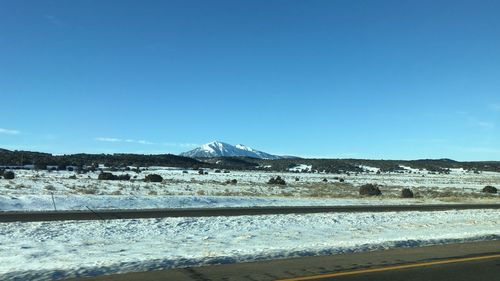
(146, 142)
(53, 19)
(478, 123)
(188, 145)
(9, 132)
(143, 142)
(495, 106)
(108, 139)
(486, 125)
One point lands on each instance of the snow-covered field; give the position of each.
(96, 202)
(34, 189)
(55, 250)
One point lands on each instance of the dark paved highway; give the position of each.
(487, 269)
(458, 262)
(212, 212)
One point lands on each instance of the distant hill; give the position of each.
(41, 160)
(222, 149)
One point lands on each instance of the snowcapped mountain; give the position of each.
(219, 149)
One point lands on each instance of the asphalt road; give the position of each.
(484, 269)
(22, 216)
(457, 262)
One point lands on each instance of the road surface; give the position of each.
(457, 262)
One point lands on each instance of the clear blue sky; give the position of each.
(362, 79)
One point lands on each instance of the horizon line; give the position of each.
(295, 156)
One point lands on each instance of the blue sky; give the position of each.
(360, 79)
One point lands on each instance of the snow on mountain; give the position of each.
(220, 149)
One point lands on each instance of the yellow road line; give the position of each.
(388, 268)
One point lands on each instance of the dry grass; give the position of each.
(328, 190)
(21, 186)
(88, 190)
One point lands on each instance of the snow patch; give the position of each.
(301, 168)
(369, 168)
(57, 250)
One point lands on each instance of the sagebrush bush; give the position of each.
(277, 180)
(369, 190)
(111, 177)
(153, 178)
(490, 189)
(125, 177)
(233, 181)
(106, 176)
(406, 193)
(9, 175)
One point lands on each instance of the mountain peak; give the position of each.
(214, 146)
(222, 149)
